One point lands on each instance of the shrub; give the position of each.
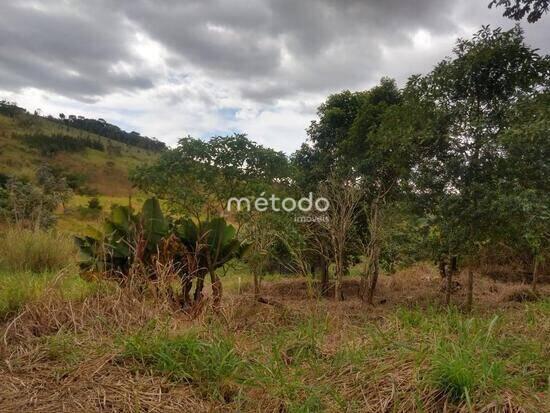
(36, 251)
(94, 204)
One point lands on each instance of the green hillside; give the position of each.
(98, 172)
(92, 173)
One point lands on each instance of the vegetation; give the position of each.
(518, 9)
(102, 128)
(52, 144)
(90, 163)
(28, 250)
(408, 292)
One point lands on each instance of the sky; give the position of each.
(170, 69)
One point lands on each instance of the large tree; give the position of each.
(475, 92)
(198, 177)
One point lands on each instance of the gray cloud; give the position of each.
(267, 57)
(72, 51)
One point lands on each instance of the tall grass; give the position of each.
(36, 263)
(468, 366)
(20, 288)
(463, 353)
(35, 251)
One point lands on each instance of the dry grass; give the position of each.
(36, 251)
(302, 355)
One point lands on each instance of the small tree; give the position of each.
(344, 197)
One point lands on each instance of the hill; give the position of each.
(93, 164)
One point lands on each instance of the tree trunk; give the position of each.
(442, 268)
(449, 288)
(535, 276)
(374, 276)
(470, 300)
(217, 290)
(197, 296)
(338, 293)
(324, 278)
(186, 285)
(452, 270)
(256, 285)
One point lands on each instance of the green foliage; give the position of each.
(33, 205)
(464, 368)
(126, 238)
(214, 242)
(517, 9)
(10, 109)
(198, 175)
(476, 97)
(49, 145)
(102, 128)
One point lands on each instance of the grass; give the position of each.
(211, 365)
(20, 288)
(35, 251)
(468, 365)
(131, 353)
(106, 174)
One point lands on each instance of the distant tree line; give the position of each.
(103, 128)
(52, 144)
(98, 126)
(10, 109)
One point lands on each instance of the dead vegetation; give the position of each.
(306, 354)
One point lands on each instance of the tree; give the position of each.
(524, 183)
(384, 146)
(31, 204)
(517, 9)
(474, 93)
(200, 176)
(208, 246)
(126, 241)
(320, 158)
(344, 197)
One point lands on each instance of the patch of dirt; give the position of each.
(419, 285)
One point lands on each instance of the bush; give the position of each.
(94, 204)
(35, 251)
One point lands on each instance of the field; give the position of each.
(76, 345)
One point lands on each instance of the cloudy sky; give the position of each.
(171, 68)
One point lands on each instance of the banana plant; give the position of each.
(126, 238)
(210, 244)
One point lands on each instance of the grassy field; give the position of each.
(71, 344)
